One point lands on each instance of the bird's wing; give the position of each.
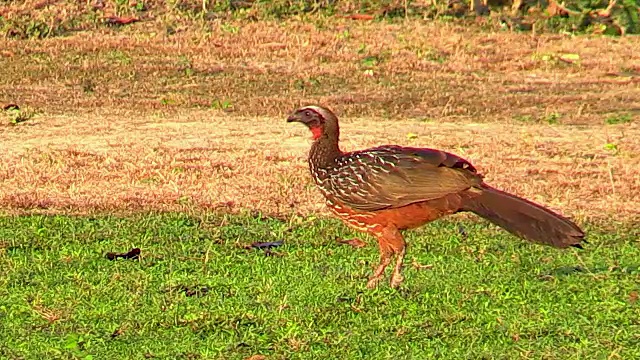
(393, 176)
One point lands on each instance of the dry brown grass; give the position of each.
(206, 161)
(124, 120)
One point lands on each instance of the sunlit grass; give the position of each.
(197, 292)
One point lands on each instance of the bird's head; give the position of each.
(321, 121)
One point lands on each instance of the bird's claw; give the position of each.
(373, 282)
(396, 280)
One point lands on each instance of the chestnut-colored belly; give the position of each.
(406, 217)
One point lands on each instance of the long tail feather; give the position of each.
(525, 219)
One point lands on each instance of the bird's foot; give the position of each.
(355, 242)
(396, 280)
(374, 281)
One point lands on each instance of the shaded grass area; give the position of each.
(413, 69)
(50, 18)
(196, 292)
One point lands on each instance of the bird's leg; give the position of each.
(398, 245)
(355, 242)
(391, 242)
(385, 259)
(396, 275)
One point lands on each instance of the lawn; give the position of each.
(169, 135)
(196, 291)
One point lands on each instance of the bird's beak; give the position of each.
(293, 118)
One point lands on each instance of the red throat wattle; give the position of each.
(317, 132)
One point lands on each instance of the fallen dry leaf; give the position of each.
(116, 20)
(359, 17)
(117, 332)
(266, 245)
(130, 255)
(274, 45)
(42, 4)
(569, 58)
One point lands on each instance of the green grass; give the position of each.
(619, 119)
(487, 296)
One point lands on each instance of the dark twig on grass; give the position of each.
(266, 245)
(193, 290)
(130, 255)
(116, 20)
(11, 107)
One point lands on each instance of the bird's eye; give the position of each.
(307, 113)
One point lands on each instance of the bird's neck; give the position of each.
(324, 151)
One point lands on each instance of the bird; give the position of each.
(387, 189)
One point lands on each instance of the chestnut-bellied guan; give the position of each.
(386, 189)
